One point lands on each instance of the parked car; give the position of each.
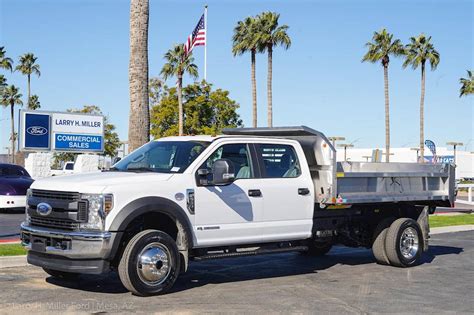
(68, 168)
(14, 182)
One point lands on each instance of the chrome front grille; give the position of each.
(54, 223)
(56, 195)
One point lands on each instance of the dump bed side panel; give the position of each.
(359, 182)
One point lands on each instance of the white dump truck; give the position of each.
(250, 191)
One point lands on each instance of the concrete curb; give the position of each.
(451, 229)
(13, 261)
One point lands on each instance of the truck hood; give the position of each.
(96, 182)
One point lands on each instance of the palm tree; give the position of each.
(467, 84)
(380, 49)
(11, 97)
(34, 102)
(5, 62)
(245, 40)
(139, 119)
(28, 66)
(3, 81)
(271, 35)
(417, 53)
(177, 64)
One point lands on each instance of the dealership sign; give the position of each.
(61, 132)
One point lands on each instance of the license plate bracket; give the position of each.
(38, 244)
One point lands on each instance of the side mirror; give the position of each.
(223, 172)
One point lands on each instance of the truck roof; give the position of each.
(274, 132)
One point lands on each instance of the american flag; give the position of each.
(197, 37)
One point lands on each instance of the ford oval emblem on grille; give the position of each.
(43, 209)
(37, 130)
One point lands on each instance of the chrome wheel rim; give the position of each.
(409, 243)
(154, 264)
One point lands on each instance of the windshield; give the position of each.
(13, 170)
(162, 157)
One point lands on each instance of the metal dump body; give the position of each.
(361, 182)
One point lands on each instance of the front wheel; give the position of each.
(404, 243)
(150, 263)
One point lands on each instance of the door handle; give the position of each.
(303, 191)
(255, 193)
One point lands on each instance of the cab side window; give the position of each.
(238, 154)
(279, 161)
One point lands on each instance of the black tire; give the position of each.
(318, 248)
(393, 243)
(378, 244)
(61, 274)
(133, 274)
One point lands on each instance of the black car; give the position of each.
(14, 182)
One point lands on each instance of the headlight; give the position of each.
(99, 207)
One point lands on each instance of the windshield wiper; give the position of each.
(141, 169)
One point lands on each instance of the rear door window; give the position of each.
(279, 161)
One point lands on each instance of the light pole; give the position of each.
(454, 144)
(334, 139)
(345, 146)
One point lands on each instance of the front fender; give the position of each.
(153, 204)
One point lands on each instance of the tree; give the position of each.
(5, 62)
(417, 53)
(245, 40)
(11, 97)
(139, 119)
(3, 82)
(379, 50)
(156, 88)
(34, 103)
(177, 64)
(207, 111)
(111, 138)
(467, 84)
(28, 66)
(269, 36)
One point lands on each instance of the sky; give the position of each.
(83, 50)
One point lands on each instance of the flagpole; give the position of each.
(205, 46)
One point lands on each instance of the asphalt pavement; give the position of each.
(345, 281)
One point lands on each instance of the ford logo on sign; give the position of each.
(43, 208)
(37, 130)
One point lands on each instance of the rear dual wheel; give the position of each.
(399, 243)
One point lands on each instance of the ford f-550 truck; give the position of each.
(250, 191)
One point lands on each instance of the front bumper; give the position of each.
(82, 252)
(7, 201)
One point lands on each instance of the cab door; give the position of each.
(230, 214)
(288, 192)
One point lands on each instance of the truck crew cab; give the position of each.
(250, 191)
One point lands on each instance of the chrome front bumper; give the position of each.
(69, 244)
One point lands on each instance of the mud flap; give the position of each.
(425, 227)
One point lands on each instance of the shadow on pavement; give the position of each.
(247, 268)
(437, 250)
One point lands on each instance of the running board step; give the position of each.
(252, 253)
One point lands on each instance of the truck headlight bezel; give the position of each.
(99, 205)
